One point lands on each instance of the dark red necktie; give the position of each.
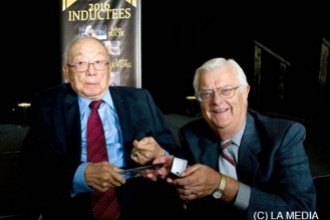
(105, 205)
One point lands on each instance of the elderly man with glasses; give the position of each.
(243, 165)
(83, 136)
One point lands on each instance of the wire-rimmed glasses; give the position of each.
(207, 95)
(82, 66)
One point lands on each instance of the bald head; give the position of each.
(87, 67)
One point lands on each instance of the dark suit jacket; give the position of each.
(271, 160)
(52, 148)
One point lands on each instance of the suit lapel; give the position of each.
(125, 120)
(206, 148)
(249, 149)
(72, 122)
(209, 153)
(70, 109)
(124, 116)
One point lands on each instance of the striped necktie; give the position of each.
(227, 160)
(105, 205)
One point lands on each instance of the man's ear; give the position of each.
(66, 73)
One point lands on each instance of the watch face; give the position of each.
(217, 194)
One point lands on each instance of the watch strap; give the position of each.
(223, 182)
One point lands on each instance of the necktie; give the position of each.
(226, 154)
(227, 161)
(105, 205)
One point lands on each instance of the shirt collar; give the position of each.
(84, 102)
(236, 139)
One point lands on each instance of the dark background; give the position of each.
(176, 39)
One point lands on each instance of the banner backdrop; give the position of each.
(117, 23)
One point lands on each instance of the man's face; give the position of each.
(94, 81)
(224, 113)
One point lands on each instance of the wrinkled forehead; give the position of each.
(88, 49)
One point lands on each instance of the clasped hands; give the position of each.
(194, 182)
(104, 175)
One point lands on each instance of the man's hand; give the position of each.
(197, 181)
(103, 175)
(146, 150)
(162, 172)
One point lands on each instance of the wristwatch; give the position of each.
(218, 193)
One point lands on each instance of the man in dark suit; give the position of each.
(54, 152)
(263, 171)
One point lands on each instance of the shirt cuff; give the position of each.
(79, 183)
(243, 197)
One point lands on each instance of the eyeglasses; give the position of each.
(208, 94)
(82, 66)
